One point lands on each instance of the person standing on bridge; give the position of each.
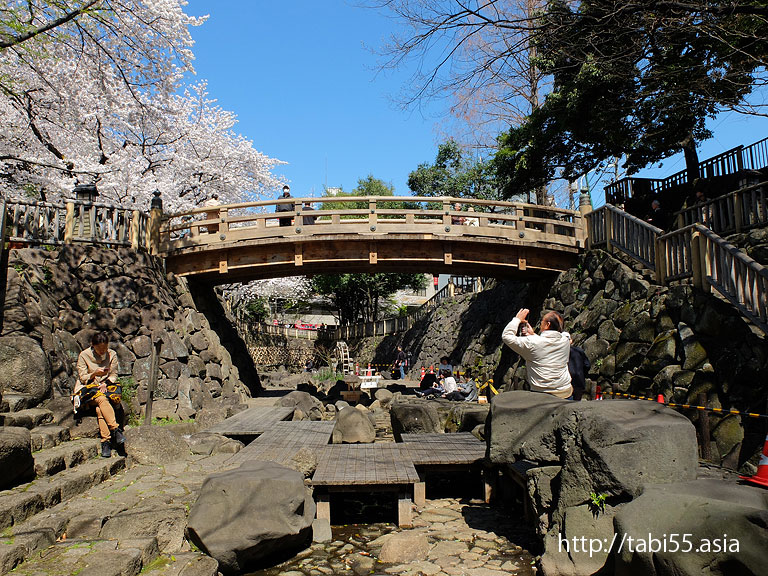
(287, 207)
(546, 354)
(212, 202)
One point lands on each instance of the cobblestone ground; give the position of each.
(465, 538)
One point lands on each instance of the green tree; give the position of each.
(360, 297)
(368, 187)
(454, 173)
(637, 78)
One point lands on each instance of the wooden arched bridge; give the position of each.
(390, 234)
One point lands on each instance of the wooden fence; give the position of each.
(693, 252)
(617, 229)
(730, 213)
(36, 223)
(370, 329)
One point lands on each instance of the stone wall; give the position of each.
(54, 300)
(642, 339)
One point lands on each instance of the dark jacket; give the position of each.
(287, 207)
(578, 366)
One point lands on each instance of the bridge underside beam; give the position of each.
(269, 259)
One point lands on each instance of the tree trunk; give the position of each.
(691, 159)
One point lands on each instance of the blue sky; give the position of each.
(303, 81)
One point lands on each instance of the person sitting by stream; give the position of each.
(546, 354)
(97, 386)
(466, 392)
(445, 364)
(446, 386)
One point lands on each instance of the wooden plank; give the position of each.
(370, 465)
(252, 422)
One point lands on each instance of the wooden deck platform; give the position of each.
(252, 422)
(374, 467)
(444, 449)
(445, 452)
(284, 439)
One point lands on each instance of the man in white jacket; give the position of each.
(546, 354)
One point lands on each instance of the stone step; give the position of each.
(26, 500)
(48, 436)
(68, 455)
(27, 418)
(85, 558)
(183, 564)
(13, 402)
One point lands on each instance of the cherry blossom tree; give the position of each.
(93, 91)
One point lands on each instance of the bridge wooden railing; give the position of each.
(693, 252)
(383, 215)
(36, 223)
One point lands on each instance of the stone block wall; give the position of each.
(56, 298)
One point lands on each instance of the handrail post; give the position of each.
(135, 229)
(155, 220)
(661, 260)
(697, 271)
(446, 212)
(69, 222)
(608, 230)
(585, 208)
(372, 215)
(738, 209)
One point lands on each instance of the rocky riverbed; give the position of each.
(450, 537)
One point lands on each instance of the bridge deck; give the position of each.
(364, 465)
(252, 422)
(284, 440)
(444, 449)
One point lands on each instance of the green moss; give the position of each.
(158, 564)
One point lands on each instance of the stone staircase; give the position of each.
(92, 516)
(63, 468)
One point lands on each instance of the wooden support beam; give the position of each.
(404, 511)
(420, 493)
(373, 255)
(298, 258)
(223, 263)
(521, 264)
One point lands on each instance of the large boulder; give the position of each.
(16, 462)
(353, 427)
(522, 427)
(614, 448)
(414, 417)
(24, 368)
(154, 445)
(308, 404)
(719, 528)
(245, 517)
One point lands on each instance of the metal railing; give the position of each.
(733, 161)
(36, 223)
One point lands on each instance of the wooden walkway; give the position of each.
(374, 467)
(253, 421)
(284, 440)
(444, 449)
(442, 453)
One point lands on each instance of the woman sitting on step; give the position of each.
(97, 386)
